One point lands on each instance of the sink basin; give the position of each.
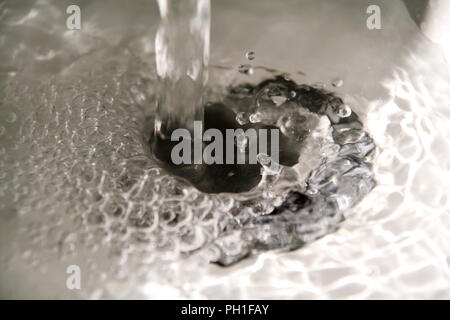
(78, 187)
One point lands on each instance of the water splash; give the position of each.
(78, 188)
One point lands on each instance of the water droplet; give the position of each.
(278, 100)
(2, 130)
(245, 69)
(263, 159)
(269, 167)
(286, 76)
(312, 191)
(242, 118)
(337, 83)
(343, 111)
(255, 117)
(250, 55)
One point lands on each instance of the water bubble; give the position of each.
(343, 111)
(265, 115)
(2, 130)
(250, 55)
(255, 117)
(312, 191)
(337, 83)
(245, 69)
(242, 118)
(272, 94)
(11, 117)
(293, 127)
(293, 94)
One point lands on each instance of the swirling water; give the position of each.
(76, 177)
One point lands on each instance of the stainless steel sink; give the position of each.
(74, 167)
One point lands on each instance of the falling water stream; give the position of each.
(182, 54)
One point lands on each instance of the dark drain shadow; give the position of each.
(218, 178)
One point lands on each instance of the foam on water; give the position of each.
(79, 188)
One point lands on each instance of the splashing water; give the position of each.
(342, 179)
(79, 185)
